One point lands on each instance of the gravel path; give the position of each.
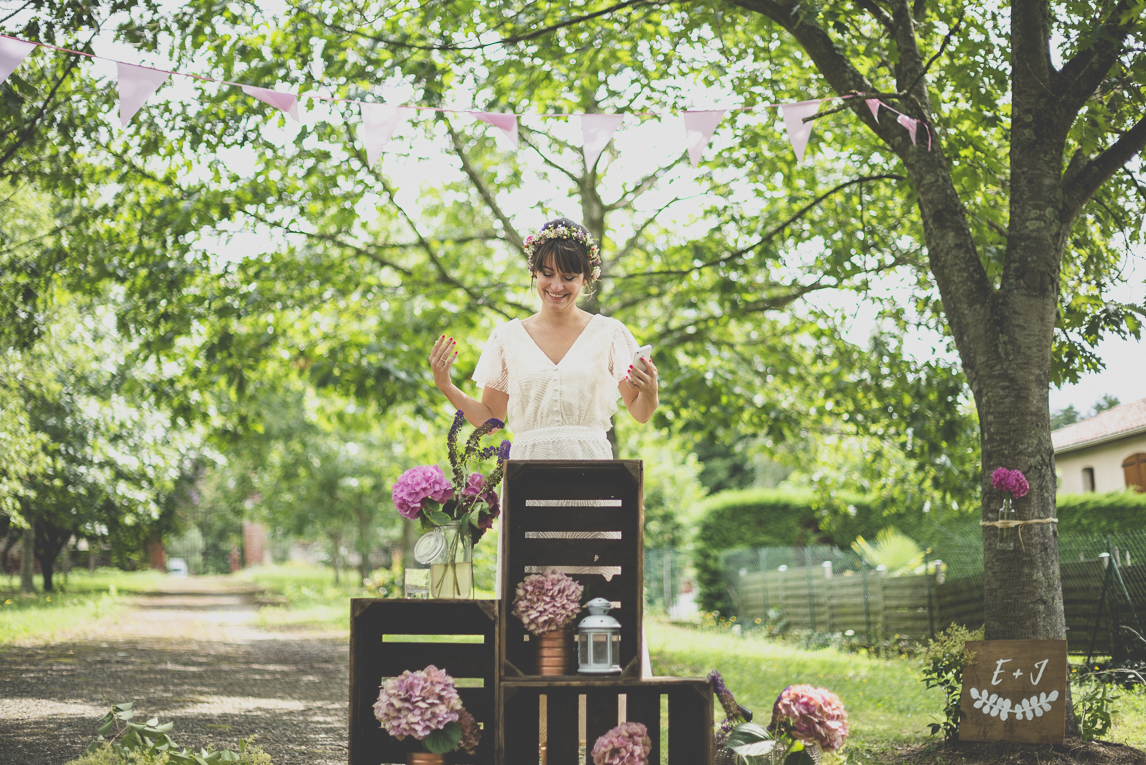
(191, 656)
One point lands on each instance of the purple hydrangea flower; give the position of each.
(1010, 480)
(471, 733)
(547, 602)
(419, 484)
(417, 703)
(627, 744)
(812, 715)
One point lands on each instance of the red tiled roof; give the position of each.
(1123, 419)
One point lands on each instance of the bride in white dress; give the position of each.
(555, 377)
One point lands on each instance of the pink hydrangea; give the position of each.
(476, 487)
(1010, 480)
(813, 715)
(417, 703)
(419, 484)
(471, 733)
(627, 744)
(547, 602)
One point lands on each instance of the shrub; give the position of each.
(943, 662)
(786, 518)
(1101, 513)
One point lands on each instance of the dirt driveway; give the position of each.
(191, 655)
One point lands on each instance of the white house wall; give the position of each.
(1106, 459)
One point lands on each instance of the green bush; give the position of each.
(753, 518)
(1107, 513)
(788, 518)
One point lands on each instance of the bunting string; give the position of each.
(138, 83)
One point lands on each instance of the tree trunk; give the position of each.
(27, 569)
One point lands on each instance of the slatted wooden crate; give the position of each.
(388, 637)
(689, 721)
(587, 519)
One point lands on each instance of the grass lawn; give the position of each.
(310, 598)
(886, 703)
(84, 596)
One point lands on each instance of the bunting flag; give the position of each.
(507, 123)
(379, 121)
(910, 124)
(287, 102)
(799, 131)
(698, 130)
(12, 52)
(136, 85)
(597, 130)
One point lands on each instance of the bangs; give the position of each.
(564, 255)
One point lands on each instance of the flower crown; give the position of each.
(534, 241)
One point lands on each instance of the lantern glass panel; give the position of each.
(583, 649)
(601, 650)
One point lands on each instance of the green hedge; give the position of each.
(761, 518)
(786, 518)
(1107, 513)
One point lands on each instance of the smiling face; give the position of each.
(557, 289)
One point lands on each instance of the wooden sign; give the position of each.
(1015, 690)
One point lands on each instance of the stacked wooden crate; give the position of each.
(584, 518)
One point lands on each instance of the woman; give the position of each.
(555, 377)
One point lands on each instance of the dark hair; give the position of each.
(566, 255)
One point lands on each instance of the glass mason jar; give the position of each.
(1006, 538)
(450, 555)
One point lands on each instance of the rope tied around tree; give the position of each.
(1018, 524)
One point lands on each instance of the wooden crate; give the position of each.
(388, 637)
(551, 506)
(689, 721)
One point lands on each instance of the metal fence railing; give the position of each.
(824, 589)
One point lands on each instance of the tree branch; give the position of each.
(1078, 191)
(527, 139)
(775, 231)
(510, 40)
(627, 198)
(487, 196)
(1081, 76)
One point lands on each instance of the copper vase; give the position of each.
(555, 652)
(425, 758)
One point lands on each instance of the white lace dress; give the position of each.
(559, 411)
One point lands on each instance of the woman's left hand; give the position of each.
(643, 377)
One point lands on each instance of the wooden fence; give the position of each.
(878, 607)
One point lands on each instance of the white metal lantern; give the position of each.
(599, 640)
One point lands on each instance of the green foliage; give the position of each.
(41, 616)
(120, 741)
(783, 518)
(1093, 700)
(1095, 513)
(895, 551)
(944, 660)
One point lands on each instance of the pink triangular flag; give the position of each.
(910, 124)
(287, 102)
(799, 131)
(698, 130)
(507, 123)
(379, 121)
(12, 52)
(596, 131)
(873, 104)
(136, 85)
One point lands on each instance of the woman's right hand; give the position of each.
(441, 359)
